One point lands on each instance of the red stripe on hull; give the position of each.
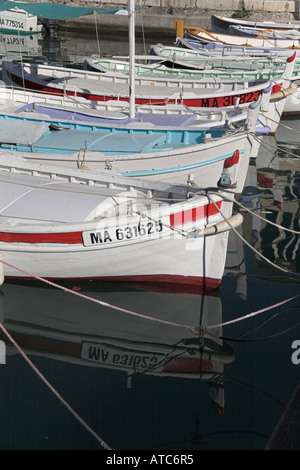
(213, 102)
(153, 282)
(65, 238)
(73, 238)
(194, 214)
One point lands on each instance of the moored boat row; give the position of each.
(131, 174)
(162, 199)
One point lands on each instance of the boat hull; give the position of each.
(69, 226)
(201, 164)
(19, 21)
(174, 262)
(220, 24)
(211, 95)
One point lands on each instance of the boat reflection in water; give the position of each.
(20, 45)
(161, 339)
(272, 192)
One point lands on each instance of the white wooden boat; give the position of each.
(114, 111)
(218, 49)
(221, 24)
(245, 31)
(26, 103)
(230, 40)
(159, 153)
(167, 63)
(91, 86)
(16, 20)
(68, 224)
(186, 57)
(189, 57)
(187, 50)
(151, 153)
(244, 67)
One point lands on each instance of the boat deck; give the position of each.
(81, 83)
(21, 197)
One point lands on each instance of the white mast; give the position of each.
(131, 12)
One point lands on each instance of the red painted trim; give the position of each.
(192, 215)
(221, 101)
(290, 59)
(276, 88)
(152, 282)
(65, 238)
(231, 161)
(74, 238)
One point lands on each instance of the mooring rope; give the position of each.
(252, 314)
(97, 35)
(253, 249)
(197, 329)
(100, 302)
(41, 376)
(280, 227)
(194, 329)
(274, 335)
(281, 149)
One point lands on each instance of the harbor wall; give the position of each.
(159, 16)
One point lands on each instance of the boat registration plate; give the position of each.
(111, 356)
(106, 236)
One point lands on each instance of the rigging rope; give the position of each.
(191, 328)
(297, 275)
(194, 329)
(198, 329)
(280, 227)
(101, 302)
(97, 37)
(143, 31)
(41, 376)
(252, 314)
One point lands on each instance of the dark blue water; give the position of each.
(151, 383)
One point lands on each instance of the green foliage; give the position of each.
(241, 14)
